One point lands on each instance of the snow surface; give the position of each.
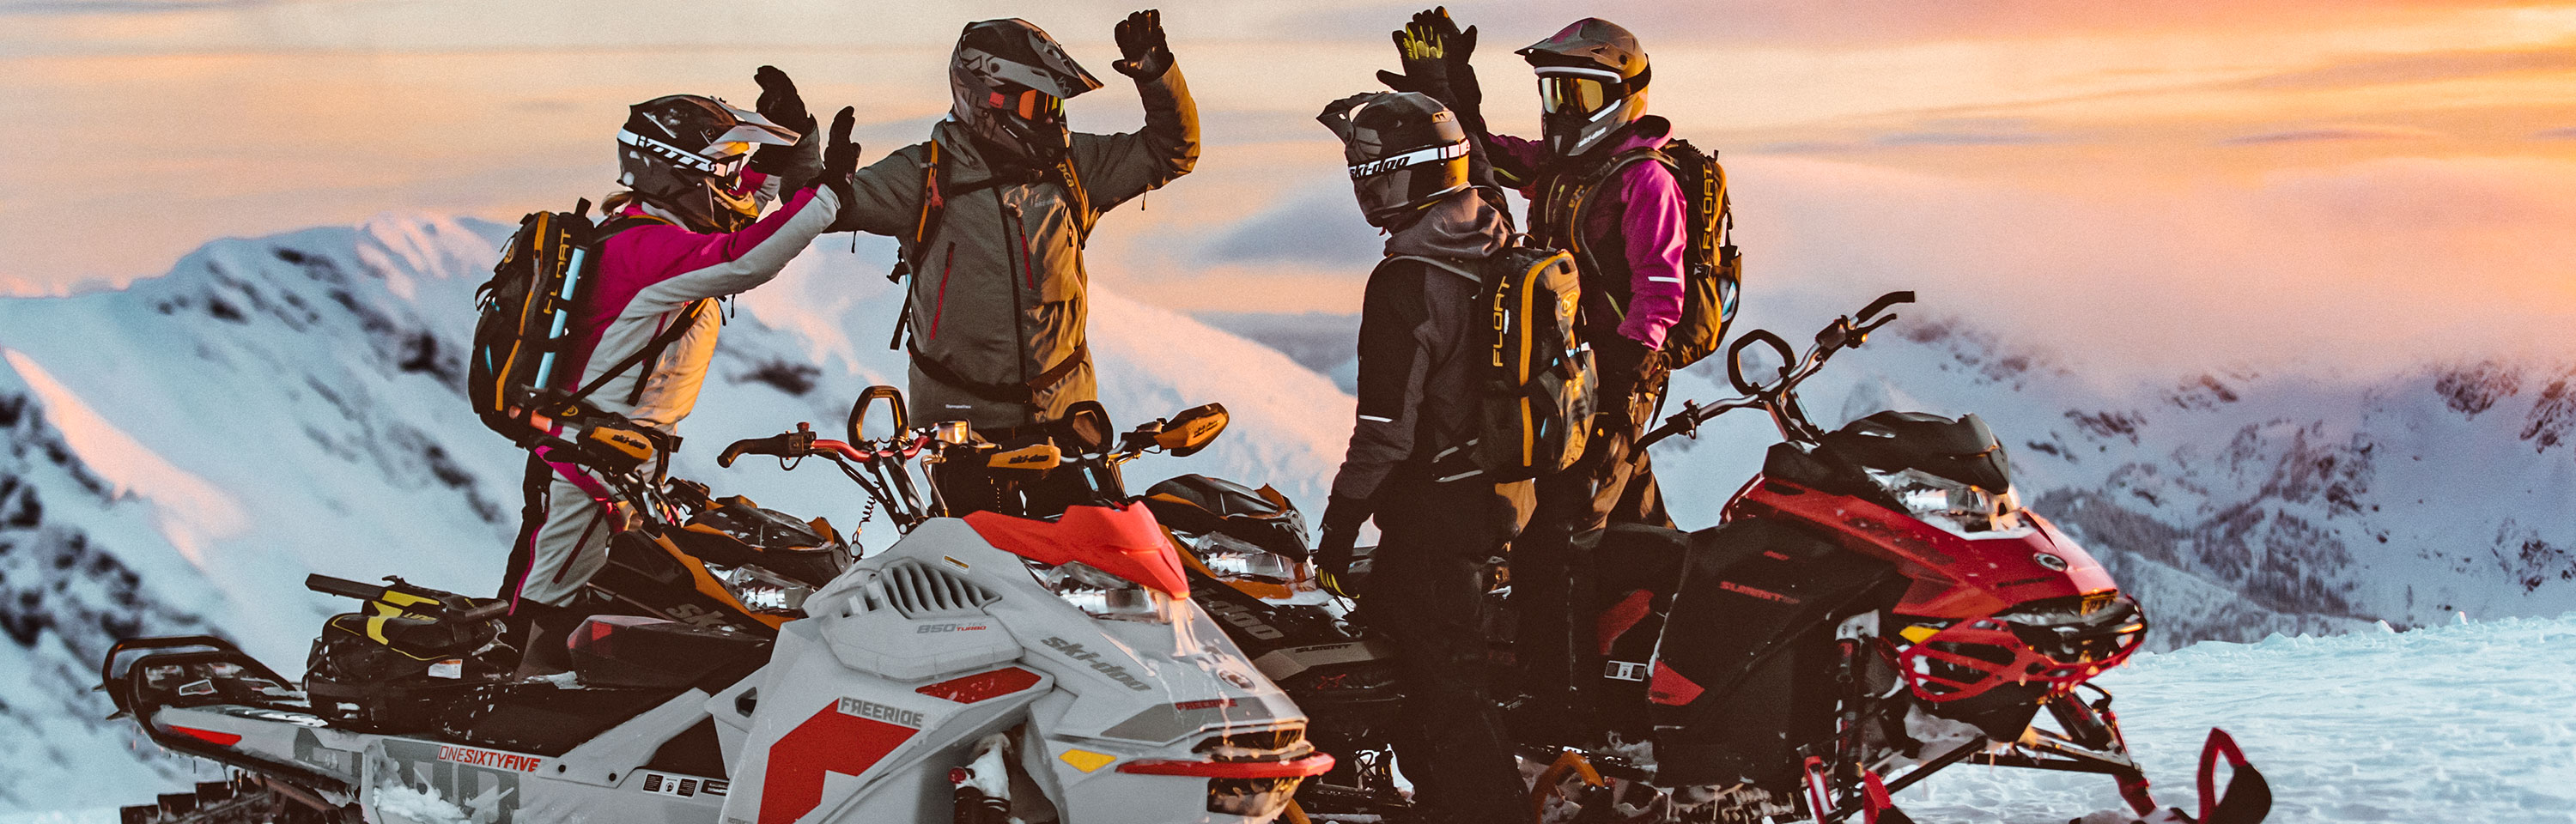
(2458, 723)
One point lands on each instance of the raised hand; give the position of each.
(1144, 53)
(779, 101)
(840, 161)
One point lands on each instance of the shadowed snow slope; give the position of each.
(180, 454)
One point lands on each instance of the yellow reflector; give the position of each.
(1086, 760)
(1916, 634)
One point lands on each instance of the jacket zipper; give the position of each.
(1019, 316)
(940, 305)
(1028, 262)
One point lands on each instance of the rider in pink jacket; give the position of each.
(690, 237)
(1627, 235)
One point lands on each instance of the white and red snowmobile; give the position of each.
(979, 670)
(1876, 606)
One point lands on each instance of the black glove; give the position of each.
(779, 101)
(840, 161)
(794, 166)
(1342, 519)
(1143, 51)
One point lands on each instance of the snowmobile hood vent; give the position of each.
(921, 591)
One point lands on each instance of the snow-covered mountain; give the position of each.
(177, 456)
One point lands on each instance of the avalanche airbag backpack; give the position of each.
(1537, 377)
(523, 337)
(1712, 269)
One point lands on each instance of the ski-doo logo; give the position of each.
(488, 758)
(881, 712)
(1113, 672)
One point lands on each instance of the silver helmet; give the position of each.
(686, 153)
(1009, 81)
(1591, 83)
(1406, 151)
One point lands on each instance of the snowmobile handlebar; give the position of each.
(1780, 396)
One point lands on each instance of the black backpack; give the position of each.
(1712, 269)
(1535, 414)
(523, 337)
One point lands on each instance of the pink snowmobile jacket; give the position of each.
(648, 277)
(1641, 221)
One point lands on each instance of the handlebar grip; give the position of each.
(343, 587)
(1881, 304)
(772, 445)
(485, 612)
(859, 410)
(1735, 359)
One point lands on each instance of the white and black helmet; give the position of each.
(686, 153)
(1009, 81)
(1591, 83)
(1405, 150)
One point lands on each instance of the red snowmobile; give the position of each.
(1875, 606)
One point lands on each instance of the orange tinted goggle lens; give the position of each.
(1572, 94)
(1030, 104)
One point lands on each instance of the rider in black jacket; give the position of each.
(1441, 521)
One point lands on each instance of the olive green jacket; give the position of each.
(997, 296)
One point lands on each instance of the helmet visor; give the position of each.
(1571, 94)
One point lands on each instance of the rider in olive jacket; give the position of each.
(996, 314)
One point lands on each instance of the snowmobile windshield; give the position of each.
(1120, 553)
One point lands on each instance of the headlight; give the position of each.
(1100, 594)
(1950, 504)
(1236, 561)
(760, 590)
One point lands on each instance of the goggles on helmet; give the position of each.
(1572, 90)
(1029, 104)
(1384, 165)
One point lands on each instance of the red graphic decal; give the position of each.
(980, 686)
(829, 742)
(220, 739)
(488, 758)
(1670, 688)
(1620, 616)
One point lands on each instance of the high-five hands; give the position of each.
(1433, 52)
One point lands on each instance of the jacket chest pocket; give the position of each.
(1044, 246)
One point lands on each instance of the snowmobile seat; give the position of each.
(631, 651)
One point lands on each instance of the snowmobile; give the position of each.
(981, 669)
(1874, 607)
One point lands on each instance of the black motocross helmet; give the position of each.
(1008, 82)
(686, 153)
(1406, 152)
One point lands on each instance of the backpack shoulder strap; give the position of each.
(1072, 180)
(1455, 266)
(652, 350)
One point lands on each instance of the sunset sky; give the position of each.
(2146, 186)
